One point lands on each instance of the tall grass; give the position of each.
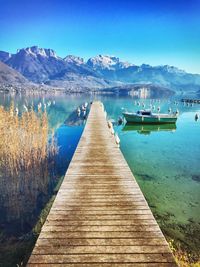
(26, 161)
(24, 142)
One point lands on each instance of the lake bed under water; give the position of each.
(164, 160)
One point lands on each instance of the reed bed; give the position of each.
(24, 146)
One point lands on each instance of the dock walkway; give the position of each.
(100, 216)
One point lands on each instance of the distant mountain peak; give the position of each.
(4, 56)
(107, 62)
(35, 51)
(42, 65)
(172, 69)
(74, 59)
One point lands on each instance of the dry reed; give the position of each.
(24, 146)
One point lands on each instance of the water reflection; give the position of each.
(21, 199)
(148, 128)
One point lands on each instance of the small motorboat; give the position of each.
(146, 116)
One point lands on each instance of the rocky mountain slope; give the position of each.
(44, 66)
(10, 76)
(112, 69)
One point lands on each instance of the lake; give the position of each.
(164, 160)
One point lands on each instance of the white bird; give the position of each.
(112, 131)
(117, 140)
(25, 107)
(17, 111)
(39, 106)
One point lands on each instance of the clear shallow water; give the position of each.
(165, 162)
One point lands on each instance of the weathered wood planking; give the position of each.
(100, 216)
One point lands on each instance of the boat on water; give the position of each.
(146, 129)
(146, 116)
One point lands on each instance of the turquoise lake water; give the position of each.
(164, 160)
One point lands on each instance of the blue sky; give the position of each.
(140, 31)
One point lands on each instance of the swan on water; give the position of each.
(16, 111)
(177, 112)
(25, 107)
(78, 110)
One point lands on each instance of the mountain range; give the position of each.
(71, 73)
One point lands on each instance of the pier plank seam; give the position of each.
(100, 216)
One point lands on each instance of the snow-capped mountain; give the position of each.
(36, 51)
(106, 62)
(74, 60)
(41, 65)
(35, 63)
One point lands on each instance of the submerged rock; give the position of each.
(146, 177)
(196, 177)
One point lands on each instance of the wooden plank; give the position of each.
(100, 216)
(159, 264)
(45, 242)
(99, 258)
(101, 222)
(68, 249)
(104, 234)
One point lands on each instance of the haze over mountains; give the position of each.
(44, 66)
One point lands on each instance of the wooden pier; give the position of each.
(100, 216)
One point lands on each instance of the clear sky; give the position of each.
(139, 31)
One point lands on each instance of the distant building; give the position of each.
(143, 93)
(140, 93)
